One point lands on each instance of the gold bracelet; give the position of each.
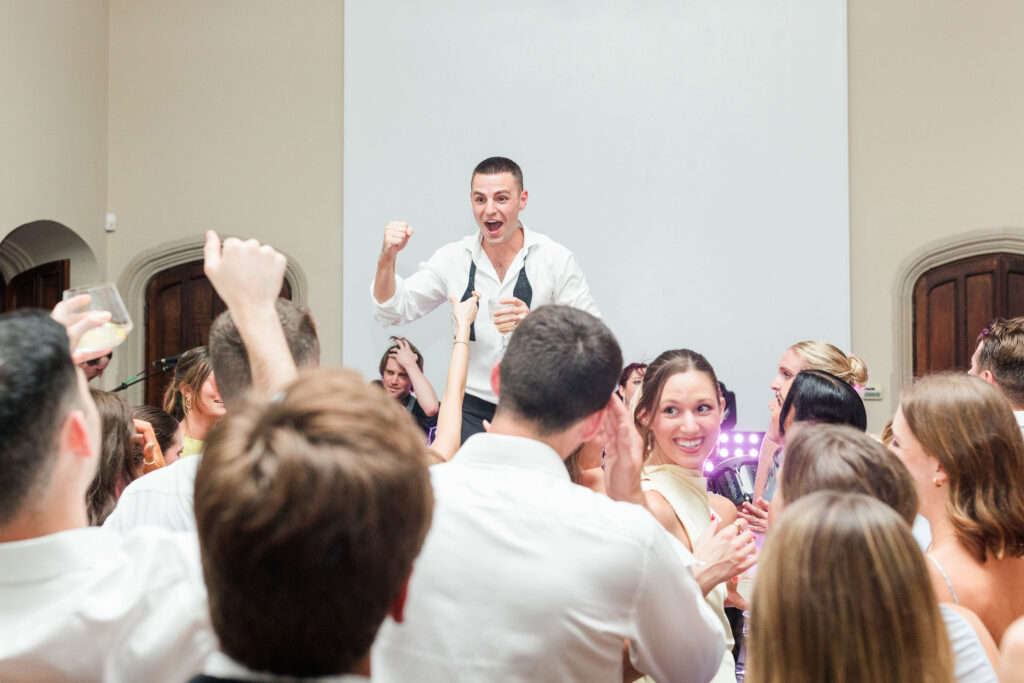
(457, 341)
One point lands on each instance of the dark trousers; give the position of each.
(474, 412)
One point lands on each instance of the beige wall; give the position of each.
(53, 119)
(227, 115)
(936, 146)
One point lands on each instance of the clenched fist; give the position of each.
(396, 236)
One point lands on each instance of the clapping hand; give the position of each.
(726, 552)
(756, 515)
(623, 454)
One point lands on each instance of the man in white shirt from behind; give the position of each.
(999, 360)
(76, 602)
(527, 577)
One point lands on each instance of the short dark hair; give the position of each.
(394, 345)
(1002, 354)
(38, 388)
(231, 360)
(119, 462)
(560, 367)
(825, 457)
(310, 512)
(496, 165)
(818, 396)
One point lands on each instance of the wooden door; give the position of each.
(181, 304)
(955, 301)
(39, 287)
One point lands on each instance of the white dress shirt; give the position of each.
(221, 666)
(161, 498)
(551, 268)
(93, 605)
(526, 576)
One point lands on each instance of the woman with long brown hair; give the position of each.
(679, 416)
(831, 598)
(958, 437)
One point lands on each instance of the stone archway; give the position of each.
(136, 277)
(37, 242)
(1004, 239)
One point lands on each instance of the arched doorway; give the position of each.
(44, 241)
(955, 301)
(988, 242)
(134, 284)
(181, 305)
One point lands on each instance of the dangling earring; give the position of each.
(938, 484)
(188, 403)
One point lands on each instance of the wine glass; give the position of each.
(104, 297)
(495, 307)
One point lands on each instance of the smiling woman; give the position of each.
(679, 416)
(193, 398)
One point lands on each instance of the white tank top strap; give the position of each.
(945, 577)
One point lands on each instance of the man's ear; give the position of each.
(592, 425)
(989, 377)
(397, 609)
(496, 378)
(523, 196)
(74, 435)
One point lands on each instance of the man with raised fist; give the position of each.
(514, 270)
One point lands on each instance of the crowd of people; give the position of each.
(546, 518)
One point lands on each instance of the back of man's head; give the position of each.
(561, 366)
(310, 512)
(1002, 354)
(231, 361)
(38, 387)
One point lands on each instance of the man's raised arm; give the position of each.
(248, 276)
(396, 236)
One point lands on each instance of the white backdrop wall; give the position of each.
(692, 154)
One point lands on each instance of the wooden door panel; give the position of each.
(982, 292)
(942, 325)
(39, 287)
(181, 305)
(1015, 293)
(955, 301)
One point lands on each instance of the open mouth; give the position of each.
(493, 227)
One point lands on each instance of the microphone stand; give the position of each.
(142, 376)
